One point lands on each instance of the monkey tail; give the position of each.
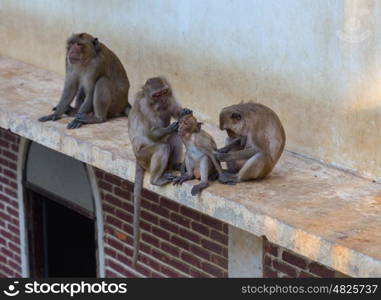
(138, 186)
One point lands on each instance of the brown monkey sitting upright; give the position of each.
(154, 140)
(96, 77)
(200, 162)
(255, 142)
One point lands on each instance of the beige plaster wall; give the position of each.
(316, 63)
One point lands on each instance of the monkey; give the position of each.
(200, 162)
(97, 79)
(156, 146)
(255, 142)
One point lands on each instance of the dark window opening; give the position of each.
(61, 240)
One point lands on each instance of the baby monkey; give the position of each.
(200, 162)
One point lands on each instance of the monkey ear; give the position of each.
(199, 125)
(96, 44)
(236, 116)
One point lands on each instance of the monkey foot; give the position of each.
(228, 178)
(71, 111)
(180, 180)
(196, 189)
(51, 117)
(169, 176)
(74, 124)
(164, 179)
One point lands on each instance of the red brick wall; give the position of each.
(279, 262)
(10, 259)
(176, 241)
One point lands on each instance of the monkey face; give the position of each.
(159, 93)
(161, 96)
(80, 47)
(233, 122)
(74, 53)
(188, 124)
(160, 99)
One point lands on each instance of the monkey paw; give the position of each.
(227, 178)
(223, 150)
(74, 124)
(169, 176)
(195, 190)
(179, 180)
(243, 141)
(185, 111)
(174, 126)
(79, 116)
(220, 156)
(51, 117)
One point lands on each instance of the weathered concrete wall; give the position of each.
(315, 62)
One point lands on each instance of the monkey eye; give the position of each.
(160, 93)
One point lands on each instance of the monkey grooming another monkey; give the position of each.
(255, 142)
(200, 162)
(96, 77)
(156, 146)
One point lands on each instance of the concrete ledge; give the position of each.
(320, 212)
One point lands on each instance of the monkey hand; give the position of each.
(76, 123)
(243, 141)
(223, 150)
(51, 117)
(227, 178)
(173, 127)
(185, 111)
(221, 156)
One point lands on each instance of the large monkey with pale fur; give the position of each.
(96, 77)
(156, 146)
(255, 141)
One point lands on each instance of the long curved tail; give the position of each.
(138, 186)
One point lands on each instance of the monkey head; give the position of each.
(81, 47)
(232, 119)
(188, 124)
(159, 93)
